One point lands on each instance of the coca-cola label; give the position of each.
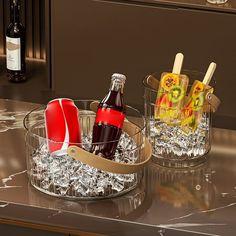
(110, 117)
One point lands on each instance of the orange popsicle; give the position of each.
(193, 107)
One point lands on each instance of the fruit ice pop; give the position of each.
(171, 93)
(194, 105)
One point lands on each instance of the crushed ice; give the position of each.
(169, 140)
(65, 176)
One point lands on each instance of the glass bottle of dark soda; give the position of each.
(109, 119)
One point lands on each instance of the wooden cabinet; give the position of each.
(92, 39)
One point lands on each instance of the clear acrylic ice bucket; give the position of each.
(171, 147)
(63, 176)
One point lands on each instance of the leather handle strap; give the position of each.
(152, 82)
(104, 164)
(213, 100)
(109, 165)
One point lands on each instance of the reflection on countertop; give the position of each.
(200, 200)
(36, 88)
(227, 7)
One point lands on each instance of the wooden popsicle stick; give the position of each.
(179, 58)
(209, 73)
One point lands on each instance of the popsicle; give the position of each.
(194, 105)
(171, 93)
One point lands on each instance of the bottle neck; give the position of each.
(117, 85)
(15, 11)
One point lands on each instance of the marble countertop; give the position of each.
(196, 201)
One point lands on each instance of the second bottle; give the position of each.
(109, 119)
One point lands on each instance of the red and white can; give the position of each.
(62, 125)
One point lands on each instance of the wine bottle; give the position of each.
(15, 45)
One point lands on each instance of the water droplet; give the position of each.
(198, 187)
(161, 232)
(224, 194)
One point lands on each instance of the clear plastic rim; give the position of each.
(62, 152)
(29, 129)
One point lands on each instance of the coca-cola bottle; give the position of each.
(109, 119)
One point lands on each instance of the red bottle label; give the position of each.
(110, 117)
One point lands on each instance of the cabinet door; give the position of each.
(93, 39)
(21, 231)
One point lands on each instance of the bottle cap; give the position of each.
(118, 76)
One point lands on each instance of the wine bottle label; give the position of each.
(110, 117)
(13, 53)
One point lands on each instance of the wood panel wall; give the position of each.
(33, 18)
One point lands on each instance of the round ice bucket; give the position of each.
(80, 174)
(171, 146)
